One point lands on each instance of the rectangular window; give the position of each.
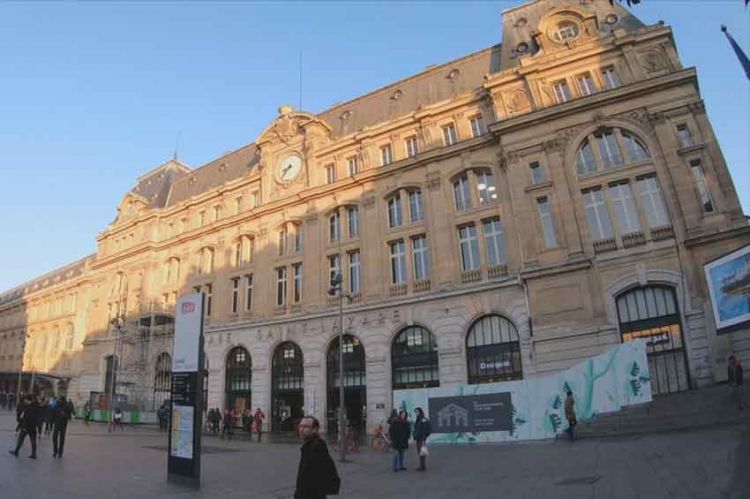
(355, 277)
(537, 173)
(415, 205)
(334, 226)
(217, 213)
(353, 218)
(282, 241)
(208, 289)
(494, 241)
(686, 139)
(395, 214)
(597, 215)
(235, 295)
(297, 282)
(586, 84)
(624, 208)
(700, 182)
(461, 193)
(281, 287)
(562, 91)
(449, 135)
(398, 262)
(255, 197)
(412, 148)
(486, 188)
(467, 236)
(652, 202)
(548, 225)
(353, 165)
(237, 205)
(608, 148)
(298, 238)
(334, 268)
(420, 257)
(248, 292)
(201, 218)
(609, 75)
(386, 155)
(330, 174)
(477, 125)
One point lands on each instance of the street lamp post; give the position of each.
(118, 323)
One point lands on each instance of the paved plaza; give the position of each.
(701, 464)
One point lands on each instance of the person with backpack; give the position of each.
(422, 430)
(317, 476)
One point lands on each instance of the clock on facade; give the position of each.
(289, 168)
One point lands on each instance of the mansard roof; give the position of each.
(56, 276)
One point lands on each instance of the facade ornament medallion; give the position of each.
(285, 126)
(517, 101)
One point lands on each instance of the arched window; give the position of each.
(162, 379)
(652, 313)
(609, 148)
(414, 359)
(239, 376)
(172, 271)
(69, 337)
(205, 260)
(355, 383)
(493, 350)
(287, 383)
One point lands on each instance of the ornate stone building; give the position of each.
(502, 215)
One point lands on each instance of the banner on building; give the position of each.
(728, 279)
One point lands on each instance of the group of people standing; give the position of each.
(400, 430)
(52, 414)
(248, 421)
(7, 400)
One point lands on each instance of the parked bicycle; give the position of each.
(380, 440)
(352, 442)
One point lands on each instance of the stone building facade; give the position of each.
(500, 216)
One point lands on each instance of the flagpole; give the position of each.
(744, 61)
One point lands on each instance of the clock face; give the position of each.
(289, 168)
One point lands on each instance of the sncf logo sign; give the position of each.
(188, 307)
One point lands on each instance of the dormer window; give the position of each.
(565, 30)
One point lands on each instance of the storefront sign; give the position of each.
(188, 328)
(471, 413)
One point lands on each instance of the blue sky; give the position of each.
(94, 94)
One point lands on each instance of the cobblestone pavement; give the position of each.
(701, 464)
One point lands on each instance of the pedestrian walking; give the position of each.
(11, 401)
(228, 423)
(398, 431)
(422, 430)
(63, 411)
(317, 476)
(736, 381)
(19, 413)
(49, 415)
(87, 412)
(570, 415)
(117, 420)
(41, 416)
(29, 423)
(247, 421)
(258, 418)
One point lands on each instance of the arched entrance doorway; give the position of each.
(414, 359)
(493, 351)
(355, 384)
(162, 379)
(652, 313)
(238, 382)
(287, 396)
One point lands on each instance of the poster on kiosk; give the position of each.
(184, 450)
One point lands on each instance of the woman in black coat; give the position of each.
(399, 433)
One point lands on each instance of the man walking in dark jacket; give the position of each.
(316, 475)
(62, 414)
(29, 421)
(422, 430)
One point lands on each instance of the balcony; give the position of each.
(633, 239)
(659, 233)
(422, 285)
(496, 271)
(397, 289)
(604, 245)
(471, 275)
